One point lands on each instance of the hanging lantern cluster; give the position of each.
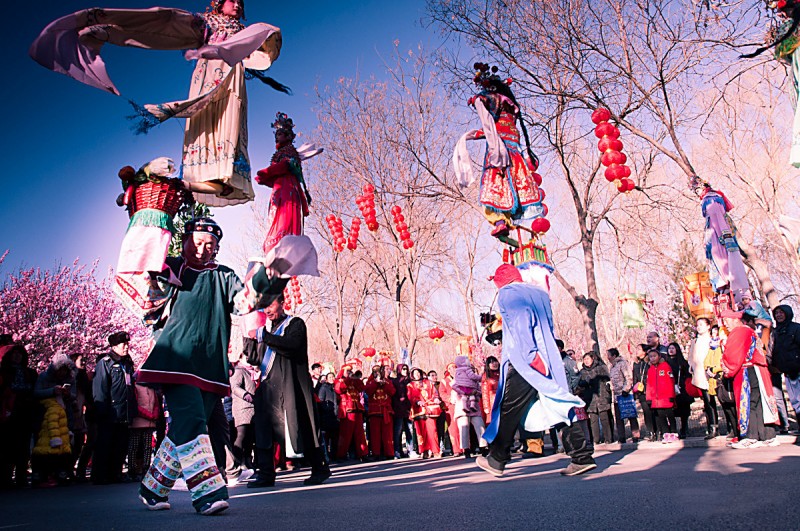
(287, 299)
(610, 146)
(294, 288)
(366, 203)
(436, 334)
(337, 232)
(352, 238)
(401, 227)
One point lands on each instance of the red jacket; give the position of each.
(660, 386)
(379, 397)
(425, 399)
(488, 392)
(350, 391)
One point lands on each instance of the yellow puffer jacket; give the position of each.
(713, 362)
(54, 434)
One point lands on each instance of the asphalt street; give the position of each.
(655, 487)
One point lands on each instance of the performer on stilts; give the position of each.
(214, 161)
(533, 390)
(288, 205)
(509, 185)
(189, 359)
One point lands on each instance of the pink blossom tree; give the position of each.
(66, 309)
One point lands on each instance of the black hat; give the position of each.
(118, 337)
(206, 225)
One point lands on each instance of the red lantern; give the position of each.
(436, 334)
(396, 210)
(609, 144)
(537, 179)
(600, 115)
(613, 157)
(540, 225)
(399, 218)
(606, 129)
(409, 243)
(614, 173)
(368, 352)
(369, 189)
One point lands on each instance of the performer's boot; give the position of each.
(160, 477)
(320, 470)
(203, 479)
(500, 229)
(265, 476)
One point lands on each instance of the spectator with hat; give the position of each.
(115, 407)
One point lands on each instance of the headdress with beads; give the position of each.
(216, 7)
(206, 225)
(283, 123)
(487, 78)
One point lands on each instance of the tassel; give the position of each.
(260, 75)
(143, 120)
(150, 217)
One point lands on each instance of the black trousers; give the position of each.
(649, 419)
(517, 395)
(710, 409)
(757, 429)
(665, 420)
(220, 435)
(110, 450)
(598, 421)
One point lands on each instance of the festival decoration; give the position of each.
(297, 296)
(634, 314)
(337, 232)
(352, 238)
(401, 227)
(610, 146)
(368, 353)
(385, 358)
(436, 334)
(698, 295)
(366, 203)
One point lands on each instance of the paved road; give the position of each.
(643, 489)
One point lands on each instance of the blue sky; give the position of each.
(63, 142)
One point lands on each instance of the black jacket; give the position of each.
(286, 391)
(112, 389)
(640, 368)
(786, 345)
(594, 387)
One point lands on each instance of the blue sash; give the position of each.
(266, 363)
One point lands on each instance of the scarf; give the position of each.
(266, 363)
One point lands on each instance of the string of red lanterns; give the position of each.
(352, 238)
(337, 232)
(401, 227)
(366, 204)
(610, 146)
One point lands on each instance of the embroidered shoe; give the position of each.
(154, 504)
(574, 469)
(213, 508)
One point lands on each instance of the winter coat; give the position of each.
(17, 383)
(349, 391)
(379, 398)
(640, 368)
(425, 399)
(242, 384)
(400, 402)
(595, 390)
(572, 372)
(660, 386)
(112, 388)
(465, 377)
(786, 345)
(328, 406)
(148, 407)
(488, 392)
(621, 380)
(680, 373)
(53, 438)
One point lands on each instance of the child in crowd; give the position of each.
(467, 384)
(660, 393)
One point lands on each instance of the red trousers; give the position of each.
(351, 428)
(427, 438)
(381, 434)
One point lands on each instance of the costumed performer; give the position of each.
(351, 413)
(189, 360)
(285, 405)
(745, 362)
(288, 205)
(380, 415)
(214, 161)
(725, 267)
(533, 391)
(509, 187)
(152, 197)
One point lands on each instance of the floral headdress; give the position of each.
(283, 123)
(216, 7)
(486, 76)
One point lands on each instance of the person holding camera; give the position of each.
(115, 407)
